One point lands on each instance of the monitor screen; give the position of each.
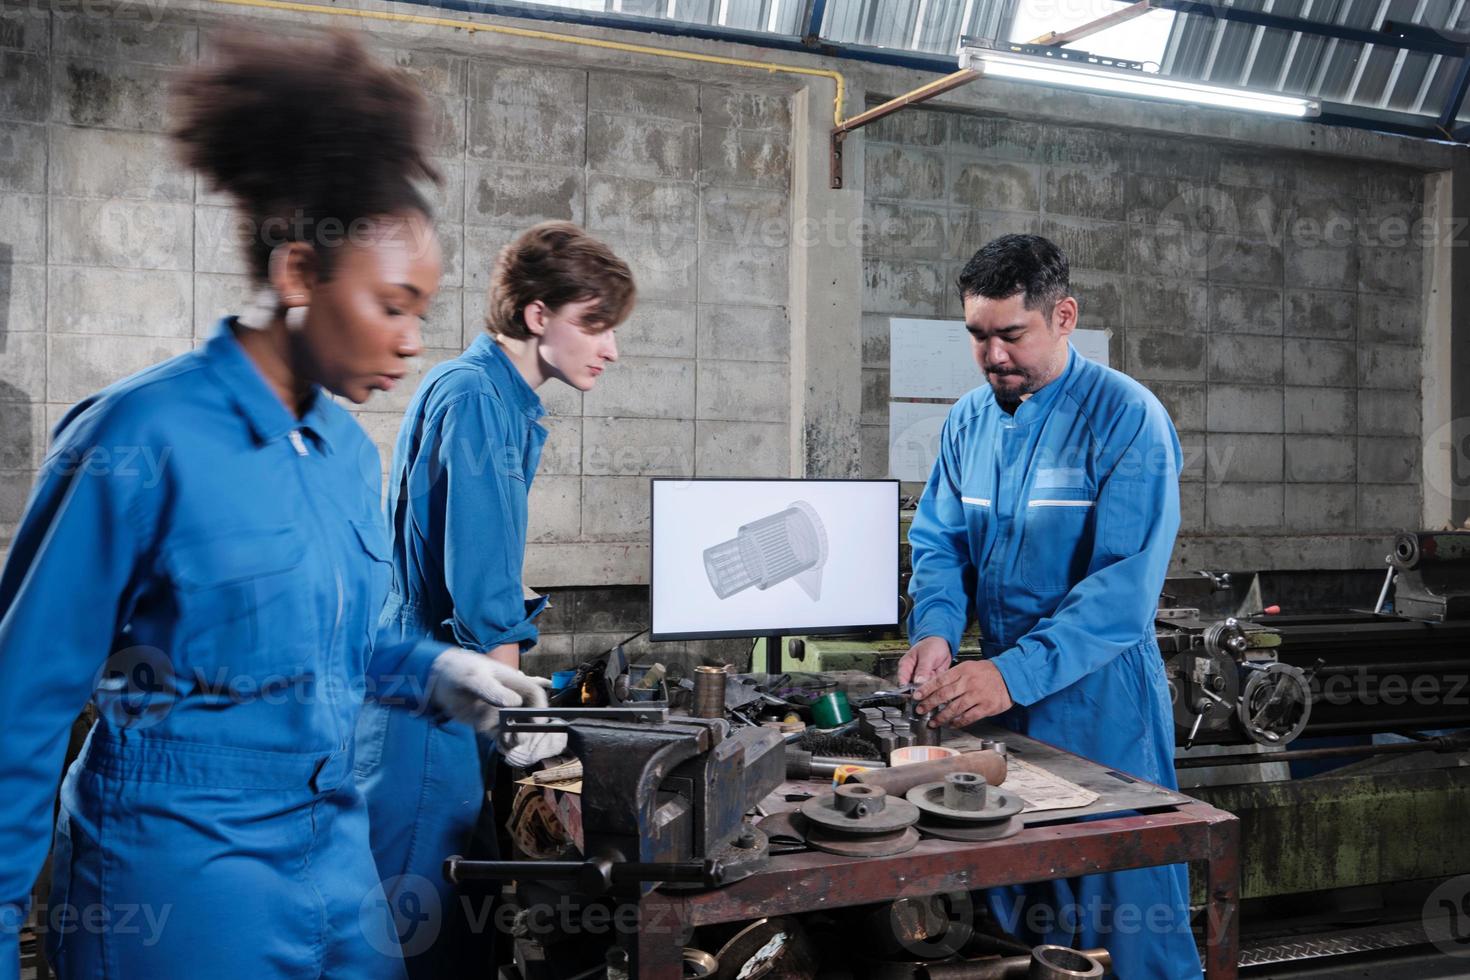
(758, 557)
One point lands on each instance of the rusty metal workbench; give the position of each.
(1152, 826)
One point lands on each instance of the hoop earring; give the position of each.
(296, 319)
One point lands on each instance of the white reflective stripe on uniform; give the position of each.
(1060, 503)
(977, 501)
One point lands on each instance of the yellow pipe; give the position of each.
(587, 42)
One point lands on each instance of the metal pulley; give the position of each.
(860, 821)
(965, 807)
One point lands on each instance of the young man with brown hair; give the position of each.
(457, 503)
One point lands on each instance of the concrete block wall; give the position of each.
(1272, 301)
(112, 258)
(643, 162)
(1291, 365)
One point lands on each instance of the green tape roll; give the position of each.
(831, 710)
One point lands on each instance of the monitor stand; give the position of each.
(775, 648)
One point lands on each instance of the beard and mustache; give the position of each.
(1008, 391)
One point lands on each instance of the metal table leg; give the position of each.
(1222, 908)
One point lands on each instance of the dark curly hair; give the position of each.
(1018, 263)
(557, 263)
(310, 137)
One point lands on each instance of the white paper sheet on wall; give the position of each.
(932, 359)
(913, 438)
(1092, 344)
(929, 359)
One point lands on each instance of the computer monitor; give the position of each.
(772, 557)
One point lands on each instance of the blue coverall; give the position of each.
(1056, 524)
(209, 570)
(462, 468)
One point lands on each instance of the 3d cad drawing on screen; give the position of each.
(765, 552)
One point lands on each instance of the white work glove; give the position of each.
(473, 687)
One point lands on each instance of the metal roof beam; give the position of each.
(1433, 42)
(816, 15)
(1457, 96)
(1379, 120)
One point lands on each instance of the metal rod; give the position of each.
(460, 869)
(921, 94)
(1057, 38)
(626, 713)
(561, 719)
(1326, 752)
(1399, 667)
(1383, 593)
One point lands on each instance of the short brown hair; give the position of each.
(557, 263)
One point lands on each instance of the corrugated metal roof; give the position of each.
(1349, 72)
(1374, 84)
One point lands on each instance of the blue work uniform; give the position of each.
(1055, 523)
(462, 469)
(208, 569)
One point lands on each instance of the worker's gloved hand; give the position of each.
(472, 688)
(525, 748)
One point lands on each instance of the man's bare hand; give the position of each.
(966, 693)
(925, 660)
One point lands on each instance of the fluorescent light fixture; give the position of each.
(1077, 69)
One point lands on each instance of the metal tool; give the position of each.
(805, 765)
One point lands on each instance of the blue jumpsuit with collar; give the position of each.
(462, 469)
(1055, 524)
(208, 569)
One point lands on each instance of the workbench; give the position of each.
(1133, 824)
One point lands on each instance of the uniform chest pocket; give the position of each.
(373, 540)
(1056, 538)
(246, 608)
